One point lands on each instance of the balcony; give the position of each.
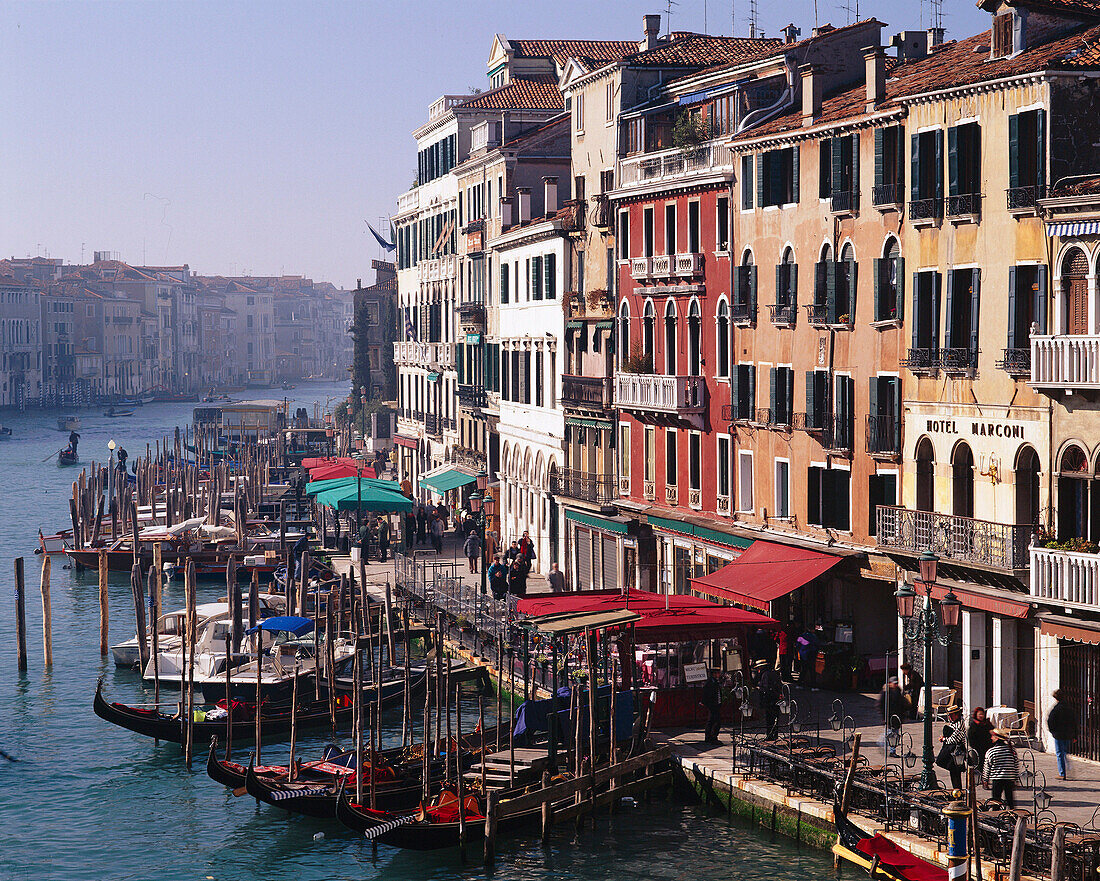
(1065, 578)
(624, 486)
(966, 206)
(844, 201)
(661, 266)
(922, 361)
(964, 360)
(883, 436)
(925, 210)
(660, 394)
(600, 489)
(888, 195)
(763, 416)
(820, 315)
(688, 265)
(784, 315)
(432, 424)
(471, 396)
(982, 543)
(641, 268)
(671, 495)
(409, 201)
(743, 312)
(440, 269)
(649, 491)
(836, 434)
(677, 164)
(1025, 198)
(1066, 362)
(471, 314)
(1016, 362)
(586, 392)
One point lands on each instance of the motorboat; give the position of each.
(68, 423)
(5, 431)
(115, 413)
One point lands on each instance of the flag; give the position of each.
(389, 246)
(410, 331)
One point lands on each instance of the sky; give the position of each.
(259, 138)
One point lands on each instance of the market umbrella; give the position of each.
(319, 486)
(368, 497)
(331, 472)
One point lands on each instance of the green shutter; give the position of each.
(914, 161)
(872, 400)
(746, 182)
(460, 367)
(953, 161)
(551, 276)
(796, 173)
(899, 298)
(772, 377)
(880, 165)
(879, 266)
(975, 300)
(820, 285)
(738, 286)
(917, 317)
(780, 289)
(1014, 151)
(752, 392)
(854, 170)
(837, 177)
(811, 399)
(788, 404)
(752, 292)
(792, 287)
(1041, 298)
(899, 159)
(830, 291)
(813, 496)
(948, 336)
(1040, 147)
(853, 287)
(938, 194)
(735, 390)
(825, 169)
(761, 174)
(1012, 303)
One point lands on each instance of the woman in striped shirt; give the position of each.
(1001, 768)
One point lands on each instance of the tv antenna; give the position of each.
(669, 4)
(754, 18)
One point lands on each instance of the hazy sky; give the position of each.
(257, 137)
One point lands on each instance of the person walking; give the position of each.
(892, 705)
(1062, 725)
(712, 703)
(421, 524)
(526, 546)
(952, 754)
(979, 736)
(770, 687)
(556, 578)
(498, 578)
(383, 538)
(1001, 768)
(913, 684)
(410, 531)
(512, 553)
(437, 534)
(472, 549)
(783, 651)
(807, 659)
(517, 579)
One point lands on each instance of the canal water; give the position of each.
(85, 800)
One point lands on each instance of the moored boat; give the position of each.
(879, 855)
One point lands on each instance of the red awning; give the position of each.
(1070, 628)
(332, 472)
(685, 618)
(321, 461)
(983, 602)
(407, 442)
(764, 572)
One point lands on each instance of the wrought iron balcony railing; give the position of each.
(784, 314)
(925, 209)
(1016, 362)
(922, 360)
(1001, 546)
(964, 205)
(1025, 198)
(888, 194)
(959, 360)
(598, 488)
(883, 435)
(471, 396)
(844, 201)
(586, 392)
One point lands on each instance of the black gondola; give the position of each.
(67, 457)
(275, 721)
(879, 855)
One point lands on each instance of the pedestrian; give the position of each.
(512, 554)
(807, 659)
(437, 533)
(1062, 725)
(421, 524)
(952, 754)
(1001, 768)
(891, 704)
(526, 546)
(914, 683)
(556, 578)
(770, 687)
(517, 579)
(783, 650)
(712, 703)
(498, 578)
(383, 538)
(410, 531)
(472, 549)
(979, 736)
(441, 512)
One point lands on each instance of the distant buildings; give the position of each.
(73, 334)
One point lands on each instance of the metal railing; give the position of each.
(581, 485)
(471, 396)
(432, 424)
(763, 416)
(843, 201)
(883, 435)
(1001, 546)
(1069, 361)
(926, 209)
(958, 360)
(743, 311)
(922, 360)
(817, 314)
(1022, 198)
(964, 205)
(784, 314)
(836, 434)
(1016, 361)
(888, 194)
(591, 392)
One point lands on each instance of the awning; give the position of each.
(1074, 228)
(407, 442)
(284, 623)
(332, 472)
(765, 572)
(1074, 629)
(604, 524)
(580, 422)
(442, 481)
(685, 617)
(984, 602)
(577, 622)
(704, 533)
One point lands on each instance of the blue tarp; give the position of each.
(289, 623)
(534, 716)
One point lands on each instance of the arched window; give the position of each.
(649, 332)
(694, 342)
(744, 289)
(624, 333)
(1027, 487)
(1075, 486)
(670, 338)
(1075, 292)
(926, 475)
(786, 289)
(962, 481)
(888, 281)
(846, 285)
(722, 338)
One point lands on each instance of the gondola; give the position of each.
(232, 774)
(880, 856)
(275, 721)
(67, 457)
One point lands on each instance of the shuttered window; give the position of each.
(583, 545)
(609, 562)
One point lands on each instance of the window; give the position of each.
(536, 278)
(781, 383)
(1026, 158)
(649, 321)
(960, 332)
(722, 228)
(845, 297)
(635, 135)
(777, 177)
(825, 169)
(743, 392)
(670, 338)
(670, 456)
(624, 452)
(817, 387)
(786, 290)
(538, 379)
(624, 235)
(724, 469)
(889, 166)
(1027, 304)
(884, 416)
(882, 489)
(844, 174)
(722, 339)
(578, 187)
(580, 271)
(889, 283)
(695, 460)
(550, 271)
(926, 319)
(722, 115)
(624, 333)
(744, 290)
(503, 282)
(694, 338)
(578, 113)
(1002, 35)
(744, 482)
(670, 229)
(964, 169)
(838, 428)
(693, 228)
(926, 176)
(746, 182)
(782, 489)
(834, 288)
(609, 101)
(647, 231)
(828, 503)
(607, 180)
(650, 458)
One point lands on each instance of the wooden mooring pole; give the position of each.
(103, 613)
(20, 615)
(47, 627)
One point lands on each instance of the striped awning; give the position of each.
(1074, 228)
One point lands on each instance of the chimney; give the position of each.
(505, 212)
(935, 37)
(875, 59)
(791, 33)
(550, 195)
(811, 94)
(651, 27)
(523, 194)
(912, 45)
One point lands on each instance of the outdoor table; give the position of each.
(997, 715)
(939, 692)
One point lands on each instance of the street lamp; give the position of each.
(111, 445)
(482, 504)
(923, 624)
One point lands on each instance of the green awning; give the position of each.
(433, 377)
(444, 481)
(703, 532)
(314, 487)
(364, 498)
(588, 423)
(605, 325)
(574, 325)
(604, 523)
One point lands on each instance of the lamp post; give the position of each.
(111, 445)
(482, 504)
(925, 625)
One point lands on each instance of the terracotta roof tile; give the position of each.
(1086, 9)
(702, 50)
(561, 51)
(532, 93)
